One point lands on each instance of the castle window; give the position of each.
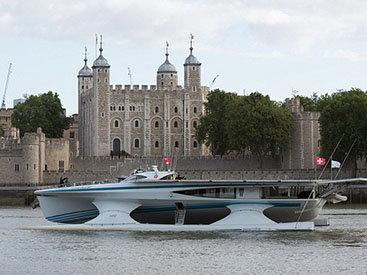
(156, 109)
(156, 144)
(16, 167)
(187, 125)
(105, 80)
(162, 83)
(27, 166)
(171, 75)
(86, 87)
(195, 110)
(114, 108)
(111, 108)
(82, 86)
(122, 108)
(61, 165)
(98, 70)
(195, 144)
(156, 124)
(119, 108)
(133, 108)
(116, 123)
(102, 114)
(162, 77)
(171, 83)
(194, 124)
(176, 144)
(136, 123)
(176, 110)
(193, 88)
(193, 68)
(34, 166)
(105, 70)
(45, 167)
(175, 124)
(71, 135)
(136, 143)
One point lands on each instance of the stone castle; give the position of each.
(158, 120)
(143, 124)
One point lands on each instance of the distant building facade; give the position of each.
(159, 120)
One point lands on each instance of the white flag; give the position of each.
(335, 164)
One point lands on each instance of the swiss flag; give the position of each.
(320, 161)
(167, 161)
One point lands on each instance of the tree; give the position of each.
(344, 113)
(258, 124)
(1, 131)
(252, 123)
(45, 111)
(211, 129)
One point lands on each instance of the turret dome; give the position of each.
(101, 61)
(167, 67)
(192, 60)
(85, 71)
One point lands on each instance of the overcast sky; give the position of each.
(272, 47)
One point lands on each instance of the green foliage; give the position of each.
(1, 131)
(344, 113)
(45, 111)
(244, 123)
(310, 103)
(258, 124)
(211, 129)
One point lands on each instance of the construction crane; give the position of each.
(6, 86)
(211, 84)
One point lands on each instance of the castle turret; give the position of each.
(167, 74)
(85, 82)
(101, 93)
(192, 73)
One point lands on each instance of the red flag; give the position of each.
(167, 161)
(320, 161)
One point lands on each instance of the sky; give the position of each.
(278, 48)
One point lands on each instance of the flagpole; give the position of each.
(331, 156)
(350, 149)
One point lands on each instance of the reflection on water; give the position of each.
(339, 247)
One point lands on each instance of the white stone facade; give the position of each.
(158, 120)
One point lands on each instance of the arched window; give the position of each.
(136, 123)
(175, 124)
(194, 124)
(176, 110)
(116, 123)
(136, 143)
(171, 83)
(195, 110)
(156, 144)
(156, 124)
(156, 109)
(176, 144)
(195, 144)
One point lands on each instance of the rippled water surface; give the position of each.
(339, 248)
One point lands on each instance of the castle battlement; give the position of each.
(118, 90)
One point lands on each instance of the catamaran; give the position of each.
(161, 201)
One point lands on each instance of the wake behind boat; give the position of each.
(161, 201)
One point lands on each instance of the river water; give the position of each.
(339, 248)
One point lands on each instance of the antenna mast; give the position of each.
(6, 86)
(96, 47)
(130, 76)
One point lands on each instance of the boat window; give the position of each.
(222, 193)
(135, 177)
